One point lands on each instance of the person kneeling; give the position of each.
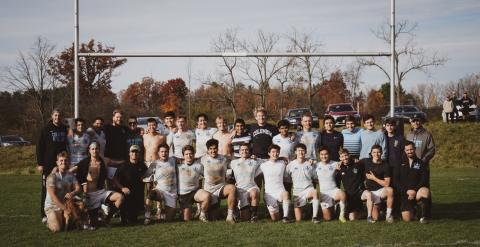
(411, 181)
(61, 186)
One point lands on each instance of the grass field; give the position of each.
(456, 214)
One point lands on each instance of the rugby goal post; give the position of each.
(390, 54)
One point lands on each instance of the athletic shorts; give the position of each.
(170, 199)
(377, 196)
(405, 204)
(301, 200)
(95, 199)
(243, 196)
(272, 199)
(187, 200)
(148, 177)
(327, 198)
(354, 202)
(217, 195)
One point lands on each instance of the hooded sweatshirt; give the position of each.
(52, 141)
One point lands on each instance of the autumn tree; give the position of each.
(174, 93)
(142, 98)
(333, 90)
(95, 76)
(409, 56)
(375, 102)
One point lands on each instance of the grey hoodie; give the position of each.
(424, 145)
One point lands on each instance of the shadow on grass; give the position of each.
(456, 211)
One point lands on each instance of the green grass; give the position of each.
(456, 213)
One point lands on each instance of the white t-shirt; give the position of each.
(245, 171)
(178, 140)
(302, 175)
(201, 138)
(189, 177)
(325, 174)
(214, 172)
(165, 175)
(312, 140)
(63, 184)
(285, 144)
(273, 173)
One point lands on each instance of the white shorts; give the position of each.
(243, 196)
(301, 200)
(95, 199)
(170, 199)
(377, 196)
(272, 200)
(216, 195)
(327, 198)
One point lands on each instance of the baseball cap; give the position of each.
(134, 148)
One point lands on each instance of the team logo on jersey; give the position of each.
(416, 166)
(395, 143)
(355, 170)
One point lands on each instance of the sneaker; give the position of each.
(254, 219)
(147, 221)
(389, 219)
(423, 220)
(92, 228)
(285, 220)
(370, 219)
(203, 218)
(315, 220)
(230, 219)
(105, 209)
(197, 212)
(342, 219)
(44, 220)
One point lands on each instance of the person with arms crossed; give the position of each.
(61, 186)
(352, 137)
(262, 134)
(302, 173)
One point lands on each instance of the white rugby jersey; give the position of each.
(312, 141)
(245, 171)
(214, 172)
(273, 172)
(165, 175)
(178, 140)
(286, 146)
(201, 138)
(325, 174)
(188, 177)
(302, 175)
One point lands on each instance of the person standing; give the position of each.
(52, 141)
(448, 109)
(370, 137)
(78, 142)
(352, 137)
(262, 134)
(203, 133)
(241, 137)
(97, 134)
(134, 134)
(309, 137)
(331, 139)
(116, 137)
(424, 144)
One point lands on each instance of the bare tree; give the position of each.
(30, 74)
(408, 55)
(308, 68)
(264, 68)
(283, 77)
(352, 79)
(228, 42)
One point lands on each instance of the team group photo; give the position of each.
(243, 124)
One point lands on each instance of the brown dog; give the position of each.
(75, 213)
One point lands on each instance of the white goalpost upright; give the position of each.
(390, 54)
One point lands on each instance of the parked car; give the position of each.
(13, 140)
(406, 112)
(340, 111)
(473, 114)
(294, 117)
(142, 123)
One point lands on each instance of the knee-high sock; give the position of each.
(286, 207)
(315, 208)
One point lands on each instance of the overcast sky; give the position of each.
(447, 26)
